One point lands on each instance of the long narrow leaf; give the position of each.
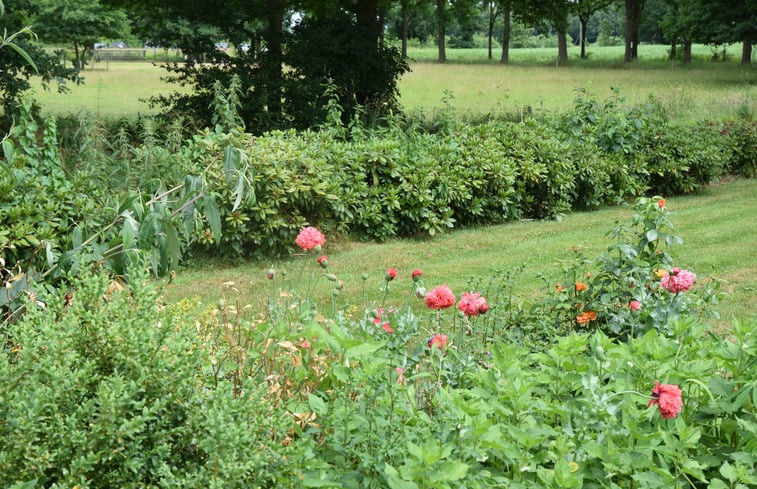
(213, 217)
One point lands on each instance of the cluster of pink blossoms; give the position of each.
(440, 297)
(310, 238)
(472, 304)
(667, 397)
(677, 280)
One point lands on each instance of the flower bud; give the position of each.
(331, 277)
(323, 261)
(390, 274)
(271, 273)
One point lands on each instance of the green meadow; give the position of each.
(717, 227)
(471, 85)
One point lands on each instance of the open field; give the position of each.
(717, 226)
(478, 86)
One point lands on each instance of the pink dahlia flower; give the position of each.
(667, 397)
(677, 280)
(440, 297)
(634, 305)
(471, 303)
(310, 238)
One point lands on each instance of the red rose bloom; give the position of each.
(667, 397)
(310, 238)
(440, 298)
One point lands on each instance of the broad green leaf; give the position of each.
(230, 162)
(363, 349)
(310, 481)
(317, 405)
(173, 245)
(651, 235)
(213, 217)
(25, 485)
(449, 471)
(727, 471)
(395, 481)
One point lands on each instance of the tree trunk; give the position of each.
(76, 56)
(273, 58)
(687, 50)
(491, 27)
(506, 38)
(562, 47)
(634, 9)
(672, 54)
(404, 29)
(366, 12)
(440, 30)
(584, 21)
(746, 51)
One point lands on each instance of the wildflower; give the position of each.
(440, 297)
(483, 307)
(390, 274)
(677, 280)
(558, 287)
(660, 273)
(376, 313)
(634, 305)
(667, 397)
(271, 273)
(661, 203)
(438, 340)
(470, 303)
(580, 286)
(323, 261)
(400, 376)
(387, 327)
(586, 317)
(305, 344)
(310, 238)
(416, 275)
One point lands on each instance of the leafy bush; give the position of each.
(104, 388)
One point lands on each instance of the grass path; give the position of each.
(718, 226)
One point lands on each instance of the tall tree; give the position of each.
(507, 6)
(634, 10)
(80, 22)
(584, 9)
(441, 30)
(15, 70)
(553, 11)
(727, 21)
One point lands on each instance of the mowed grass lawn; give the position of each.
(473, 85)
(718, 226)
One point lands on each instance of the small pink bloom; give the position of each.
(634, 305)
(310, 238)
(482, 308)
(400, 376)
(323, 261)
(441, 297)
(438, 340)
(387, 327)
(305, 344)
(271, 273)
(677, 280)
(377, 313)
(416, 274)
(390, 274)
(470, 303)
(667, 397)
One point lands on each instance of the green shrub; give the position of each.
(741, 139)
(104, 388)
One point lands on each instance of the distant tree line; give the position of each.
(298, 59)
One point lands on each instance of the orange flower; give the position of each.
(580, 286)
(586, 317)
(559, 288)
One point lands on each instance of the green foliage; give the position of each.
(104, 388)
